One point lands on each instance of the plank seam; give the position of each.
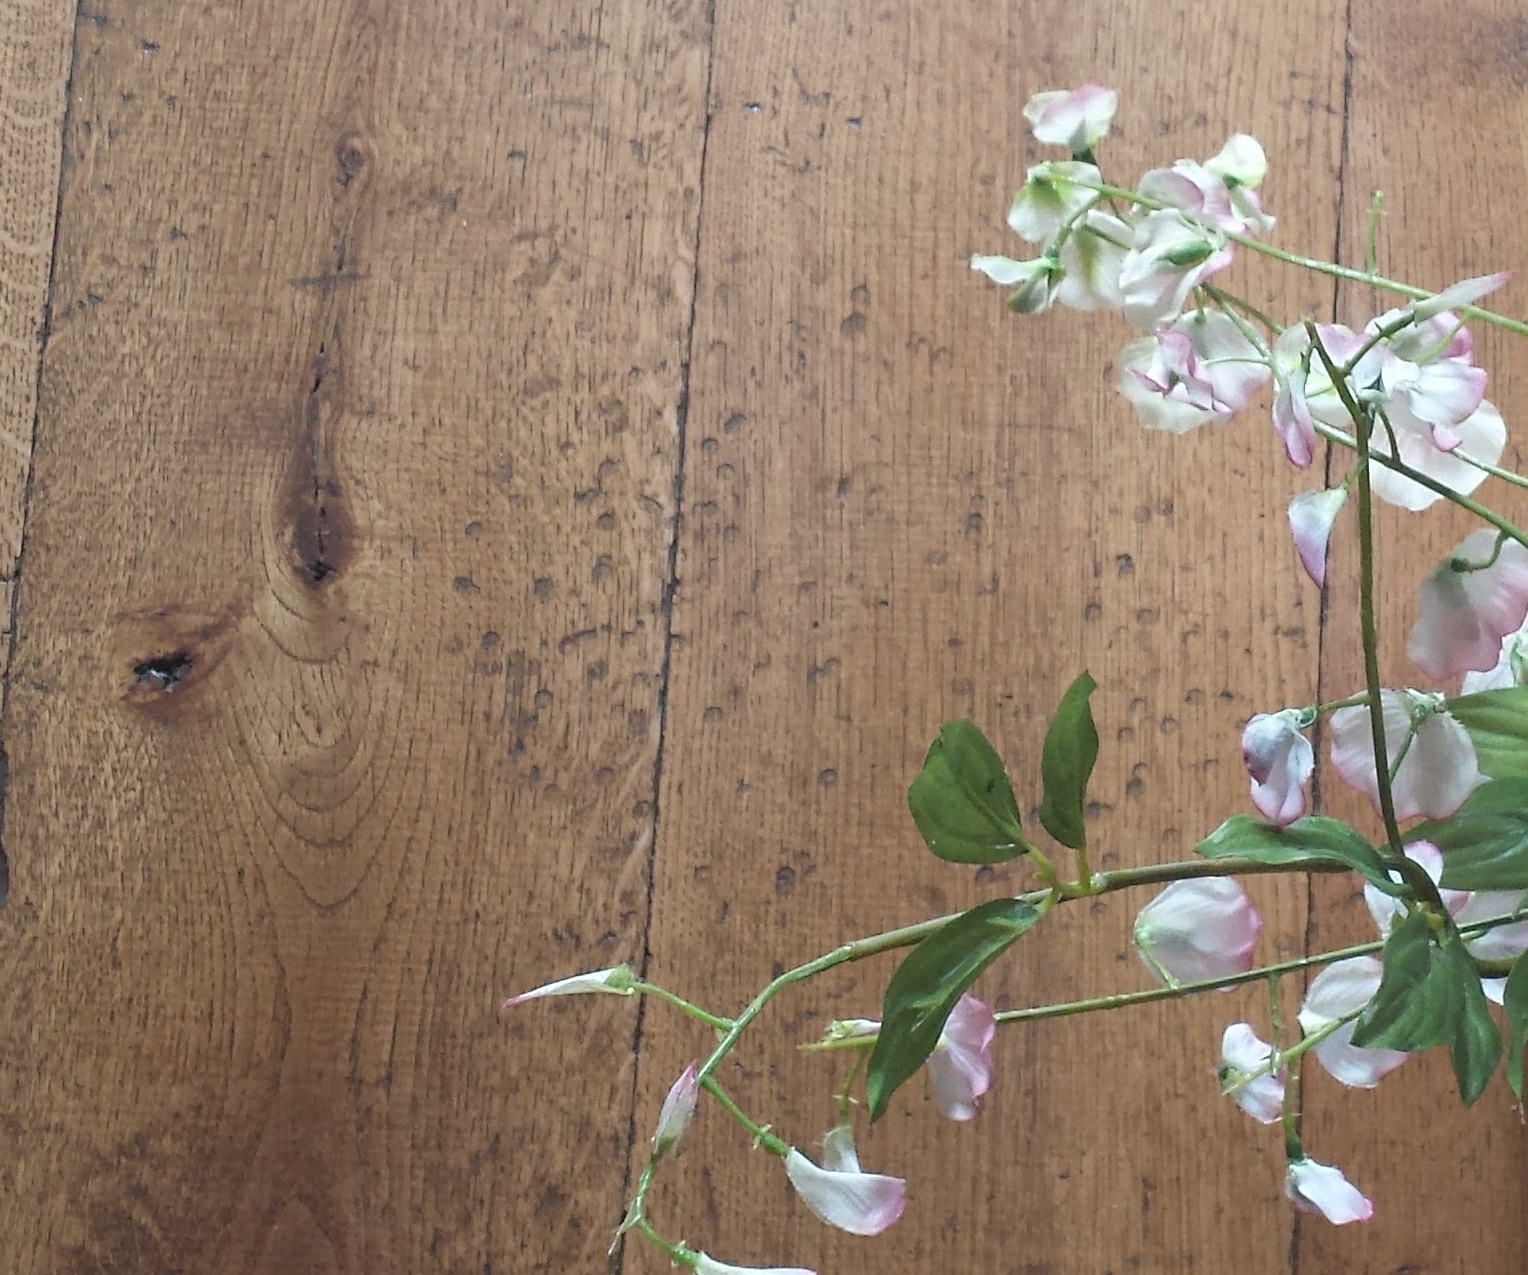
(617, 1263)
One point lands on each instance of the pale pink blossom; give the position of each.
(1386, 909)
(1437, 766)
(1341, 989)
(1219, 192)
(1510, 669)
(618, 981)
(1200, 369)
(1319, 1188)
(1198, 929)
(1280, 760)
(960, 1068)
(842, 1194)
(1168, 259)
(708, 1265)
(677, 1112)
(1311, 517)
(1242, 165)
(1075, 118)
(1245, 1075)
(1051, 198)
(1465, 614)
(1291, 412)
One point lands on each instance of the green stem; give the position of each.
(761, 1135)
(688, 1007)
(1485, 466)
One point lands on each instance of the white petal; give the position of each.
(1319, 1188)
(1337, 990)
(1311, 515)
(617, 980)
(860, 1203)
(707, 1265)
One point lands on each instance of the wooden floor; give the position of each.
(498, 488)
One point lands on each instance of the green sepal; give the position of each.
(1485, 842)
(1066, 765)
(1418, 1002)
(1515, 1004)
(1314, 839)
(962, 801)
(927, 986)
(1497, 722)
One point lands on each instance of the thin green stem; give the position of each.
(688, 1007)
(1485, 466)
(760, 1133)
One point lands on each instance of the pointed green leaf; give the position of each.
(1066, 763)
(1485, 842)
(1314, 839)
(927, 985)
(1476, 1047)
(1419, 999)
(962, 801)
(1515, 1003)
(1497, 722)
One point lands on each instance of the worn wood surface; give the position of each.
(517, 487)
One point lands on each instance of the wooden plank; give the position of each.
(336, 697)
(1430, 104)
(903, 506)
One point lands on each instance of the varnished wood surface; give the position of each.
(516, 488)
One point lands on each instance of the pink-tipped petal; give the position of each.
(1244, 1074)
(1198, 929)
(1319, 1188)
(840, 1193)
(1338, 990)
(1077, 118)
(960, 1067)
(1464, 615)
(1311, 517)
(1280, 761)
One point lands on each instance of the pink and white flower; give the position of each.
(708, 1265)
(1466, 613)
(1320, 1188)
(1075, 118)
(1198, 929)
(1510, 669)
(1051, 198)
(1219, 192)
(1311, 517)
(1280, 760)
(1201, 369)
(1092, 256)
(618, 981)
(1291, 412)
(677, 1112)
(1431, 755)
(840, 1193)
(1245, 1074)
(1339, 990)
(1169, 258)
(1386, 909)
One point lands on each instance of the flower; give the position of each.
(1198, 929)
(1280, 760)
(1511, 668)
(1339, 990)
(1168, 259)
(1431, 755)
(1466, 610)
(841, 1194)
(1092, 257)
(707, 1265)
(1244, 1074)
(1319, 1188)
(1291, 411)
(1505, 942)
(1311, 515)
(1219, 192)
(1035, 280)
(1077, 118)
(1200, 369)
(618, 980)
(677, 1112)
(1386, 909)
(1050, 198)
(960, 1068)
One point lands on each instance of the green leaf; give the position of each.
(927, 985)
(1419, 1001)
(1485, 842)
(962, 801)
(1497, 722)
(1314, 839)
(1476, 1047)
(1066, 763)
(1515, 1003)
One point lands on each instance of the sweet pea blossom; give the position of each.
(1341, 989)
(1244, 1074)
(1311, 516)
(1198, 929)
(1198, 370)
(1386, 909)
(960, 1068)
(618, 981)
(1291, 410)
(840, 1193)
(1505, 942)
(1280, 760)
(1077, 118)
(1218, 192)
(1035, 280)
(1168, 259)
(1319, 1188)
(708, 1265)
(1437, 766)
(1510, 669)
(677, 1112)
(1050, 198)
(1465, 613)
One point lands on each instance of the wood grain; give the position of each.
(903, 506)
(336, 699)
(1421, 1156)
